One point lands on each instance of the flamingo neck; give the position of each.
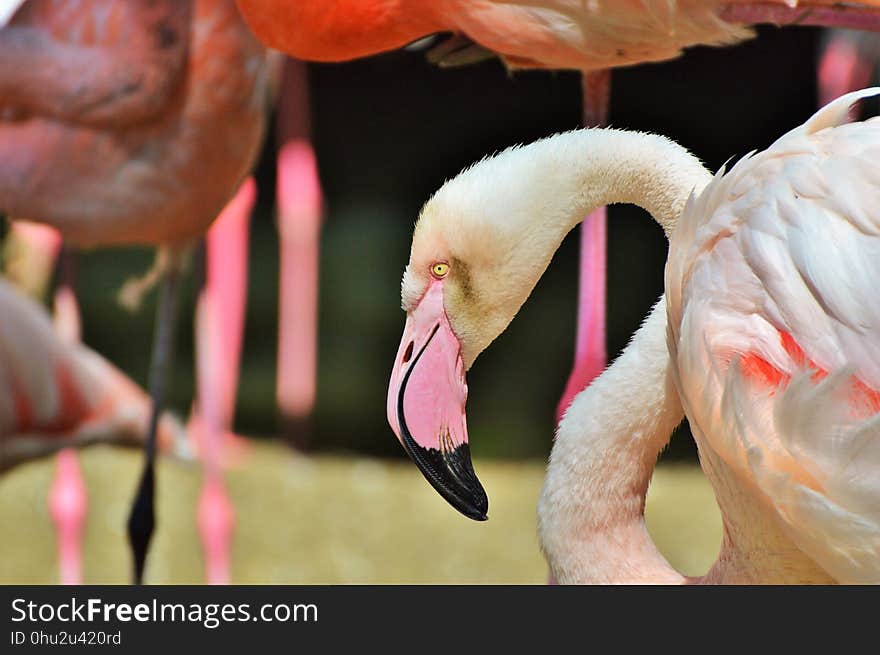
(543, 190)
(506, 216)
(591, 514)
(524, 201)
(339, 30)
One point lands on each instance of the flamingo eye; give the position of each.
(440, 269)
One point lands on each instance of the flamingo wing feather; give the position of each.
(774, 330)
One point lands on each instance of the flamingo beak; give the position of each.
(426, 405)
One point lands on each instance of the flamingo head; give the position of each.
(427, 396)
(477, 253)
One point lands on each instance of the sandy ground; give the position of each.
(327, 520)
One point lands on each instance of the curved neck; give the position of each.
(591, 514)
(526, 199)
(541, 191)
(597, 167)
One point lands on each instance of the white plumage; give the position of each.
(768, 339)
(774, 331)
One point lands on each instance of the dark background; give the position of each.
(387, 132)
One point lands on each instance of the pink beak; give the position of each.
(426, 405)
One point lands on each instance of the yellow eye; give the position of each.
(440, 269)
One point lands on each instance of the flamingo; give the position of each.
(591, 37)
(584, 36)
(32, 250)
(129, 123)
(58, 393)
(787, 407)
(772, 346)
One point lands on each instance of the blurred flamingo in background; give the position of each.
(130, 123)
(766, 339)
(59, 393)
(30, 254)
(31, 251)
(590, 37)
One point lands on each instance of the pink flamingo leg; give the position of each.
(299, 227)
(68, 506)
(590, 356)
(214, 515)
(299, 221)
(32, 252)
(842, 67)
(219, 330)
(226, 285)
(67, 500)
(66, 315)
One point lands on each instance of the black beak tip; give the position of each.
(476, 513)
(452, 474)
(459, 485)
(474, 501)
